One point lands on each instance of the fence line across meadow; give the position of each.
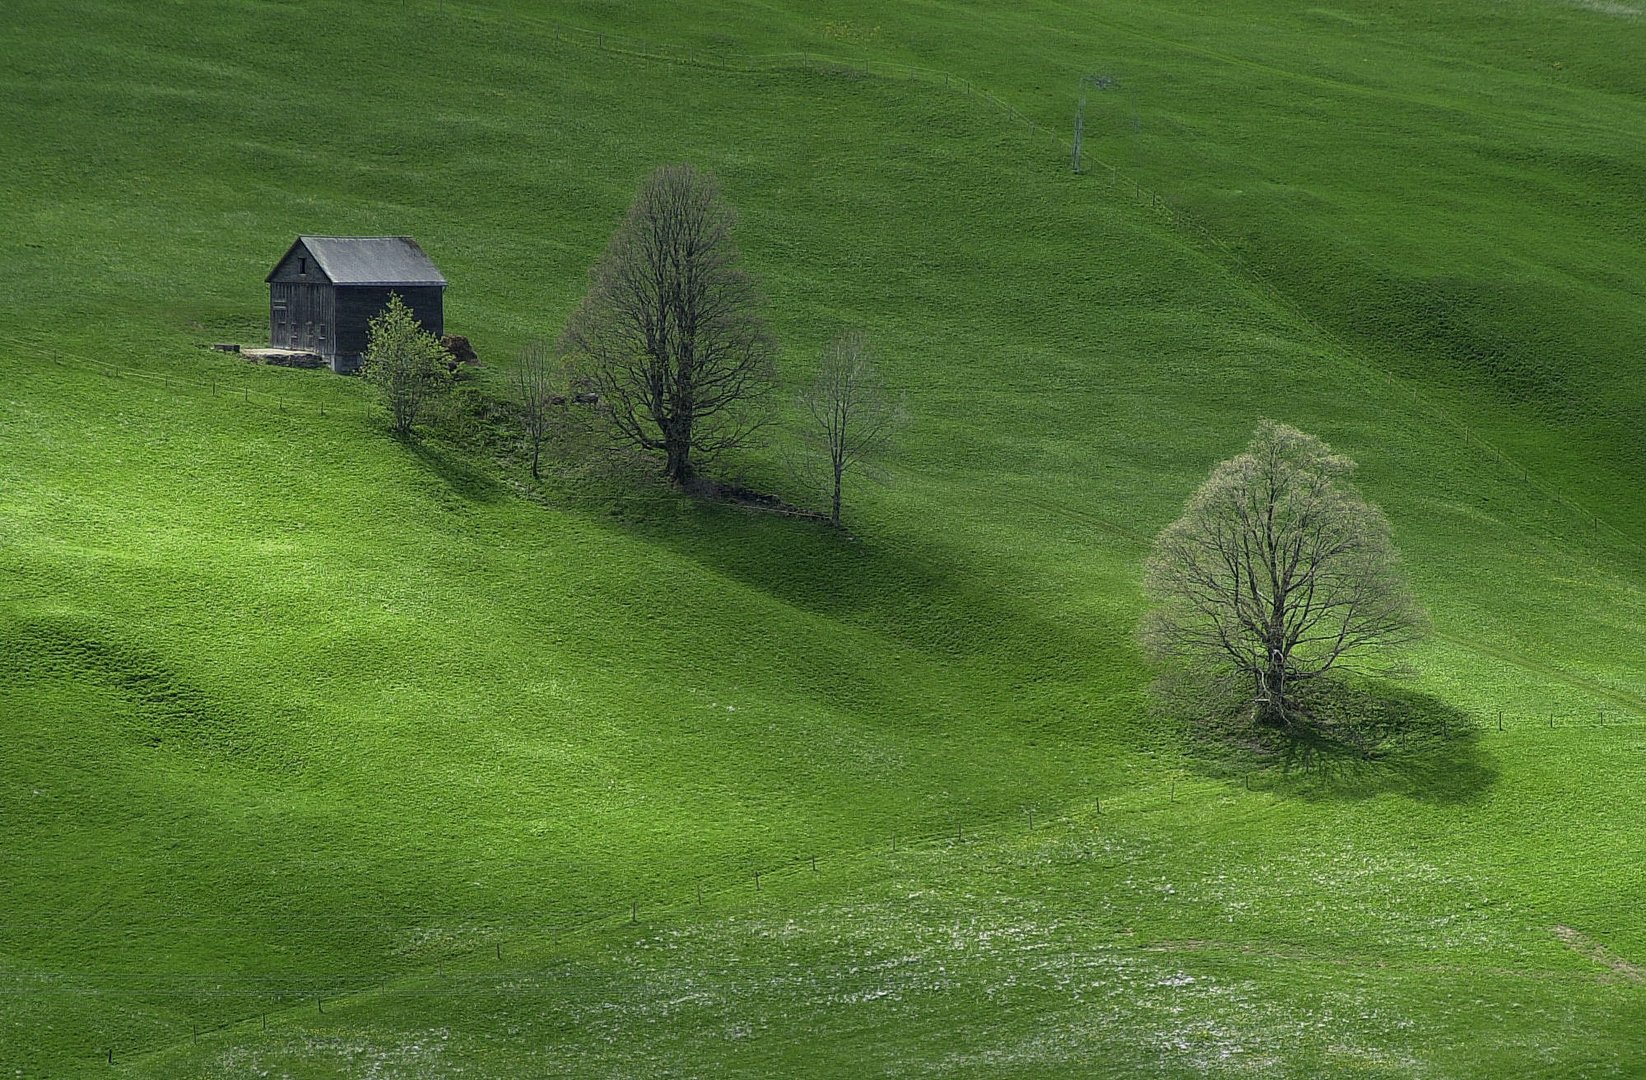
(293, 405)
(317, 993)
(502, 942)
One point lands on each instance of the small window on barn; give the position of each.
(303, 267)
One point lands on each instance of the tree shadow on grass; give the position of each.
(925, 599)
(457, 470)
(1364, 739)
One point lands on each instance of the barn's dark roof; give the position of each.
(372, 260)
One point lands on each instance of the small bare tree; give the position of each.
(671, 333)
(406, 363)
(853, 420)
(538, 385)
(1279, 570)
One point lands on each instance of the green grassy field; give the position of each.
(329, 756)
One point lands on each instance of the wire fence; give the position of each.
(311, 996)
(493, 958)
(227, 386)
(504, 945)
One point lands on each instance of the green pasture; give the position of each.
(329, 755)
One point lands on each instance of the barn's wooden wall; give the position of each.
(290, 267)
(357, 305)
(303, 315)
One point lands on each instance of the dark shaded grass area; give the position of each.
(1351, 740)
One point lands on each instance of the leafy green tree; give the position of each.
(1279, 571)
(406, 364)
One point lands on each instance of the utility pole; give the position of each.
(1087, 82)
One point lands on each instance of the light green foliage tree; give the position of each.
(406, 364)
(1278, 570)
(852, 418)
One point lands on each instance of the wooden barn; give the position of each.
(325, 289)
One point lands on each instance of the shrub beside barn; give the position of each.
(326, 289)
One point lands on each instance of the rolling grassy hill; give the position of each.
(357, 758)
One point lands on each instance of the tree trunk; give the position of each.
(536, 450)
(834, 510)
(1272, 691)
(679, 466)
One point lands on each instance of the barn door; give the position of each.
(304, 318)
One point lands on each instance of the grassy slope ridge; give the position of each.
(290, 708)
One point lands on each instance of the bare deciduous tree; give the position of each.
(853, 418)
(671, 333)
(406, 364)
(538, 383)
(1278, 569)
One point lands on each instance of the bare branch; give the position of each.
(671, 333)
(853, 421)
(538, 383)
